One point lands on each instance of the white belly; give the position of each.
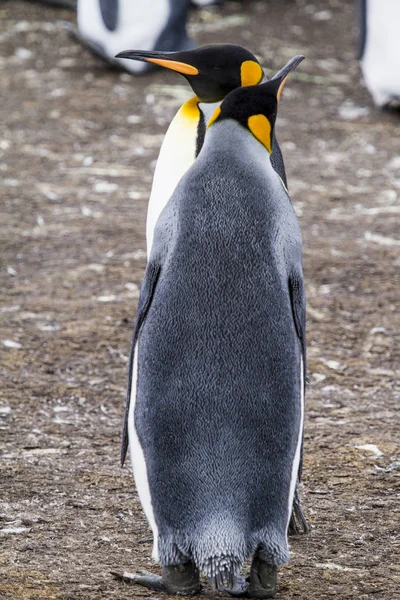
(177, 154)
(296, 461)
(138, 462)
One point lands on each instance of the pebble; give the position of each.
(12, 344)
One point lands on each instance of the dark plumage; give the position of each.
(220, 350)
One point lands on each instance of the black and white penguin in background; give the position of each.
(379, 51)
(107, 26)
(217, 368)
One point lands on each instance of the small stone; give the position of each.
(373, 448)
(12, 344)
(110, 298)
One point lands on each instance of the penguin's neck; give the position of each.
(229, 138)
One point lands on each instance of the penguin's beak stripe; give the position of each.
(282, 76)
(282, 85)
(183, 68)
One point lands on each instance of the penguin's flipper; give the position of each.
(298, 302)
(298, 523)
(277, 161)
(146, 295)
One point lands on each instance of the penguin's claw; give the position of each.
(153, 582)
(240, 587)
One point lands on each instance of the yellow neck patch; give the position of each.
(260, 127)
(250, 73)
(215, 116)
(190, 109)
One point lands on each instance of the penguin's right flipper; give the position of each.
(146, 294)
(298, 523)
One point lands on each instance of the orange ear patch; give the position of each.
(174, 65)
(260, 127)
(250, 73)
(214, 117)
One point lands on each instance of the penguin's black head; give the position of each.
(256, 107)
(212, 71)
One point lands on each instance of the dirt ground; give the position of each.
(77, 149)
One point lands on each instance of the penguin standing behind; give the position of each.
(379, 50)
(212, 71)
(218, 361)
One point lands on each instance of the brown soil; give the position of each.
(78, 144)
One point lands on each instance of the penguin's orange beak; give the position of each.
(162, 59)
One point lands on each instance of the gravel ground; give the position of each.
(77, 149)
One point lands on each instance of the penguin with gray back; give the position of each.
(218, 361)
(212, 71)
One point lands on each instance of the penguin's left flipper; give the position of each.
(146, 294)
(298, 523)
(180, 580)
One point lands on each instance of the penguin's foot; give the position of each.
(260, 584)
(180, 580)
(263, 578)
(239, 588)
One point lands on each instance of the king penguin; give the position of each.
(379, 49)
(212, 72)
(218, 361)
(106, 26)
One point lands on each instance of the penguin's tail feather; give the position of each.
(219, 550)
(221, 571)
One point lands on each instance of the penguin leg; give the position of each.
(240, 587)
(260, 584)
(181, 580)
(263, 578)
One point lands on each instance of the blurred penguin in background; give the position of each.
(106, 27)
(380, 49)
